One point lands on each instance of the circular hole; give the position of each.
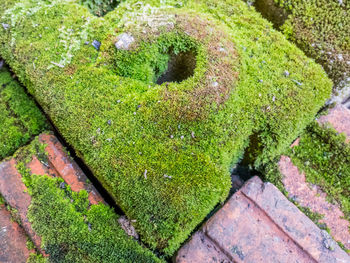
(180, 67)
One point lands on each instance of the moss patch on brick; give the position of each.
(164, 152)
(20, 119)
(325, 158)
(71, 229)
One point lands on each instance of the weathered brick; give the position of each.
(295, 183)
(13, 240)
(59, 165)
(259, 224)
(14, 191)
(339, 118)
(201, 249)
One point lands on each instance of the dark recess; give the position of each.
(180, 67)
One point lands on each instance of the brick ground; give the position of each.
(13, 247)
(59, 164)
(259, 224)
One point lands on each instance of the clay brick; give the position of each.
(67, 169)
(295, 183)
(13, 247)
(59, 165)
(201, 249)
(259, 224)
(14, 191)
(339, 118)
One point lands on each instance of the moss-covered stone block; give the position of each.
(160, 99)
(20, 118)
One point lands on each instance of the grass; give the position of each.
(20, 119)
(71, 229)
(164, 152)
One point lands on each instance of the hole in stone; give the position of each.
(180, 67)
(100, 7)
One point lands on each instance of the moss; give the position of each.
(100, 7)
(20, 119)
(71, 229)
(321, 29)
(164, 152)
(2, 200)
(325, 158)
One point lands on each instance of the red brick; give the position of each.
(339, 118)
(59, 165)
(259, 224)
(67, 169)
(14, 191)
(201, 249)
(13, 240)
(312, 197)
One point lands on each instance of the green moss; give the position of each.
(2, 200)
(325, 158)
(71, 229)
(321, 28)
(20, 119)
(100, 7)
(164, 152)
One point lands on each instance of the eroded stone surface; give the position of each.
(259, 224)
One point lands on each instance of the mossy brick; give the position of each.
(164, 152)
(13, 240)
(20, 118)
(63, 214)
(321, 157)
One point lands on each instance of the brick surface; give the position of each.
(259, 224)
(13, 247)
(339, 118)
(59, 165)
(312, 197)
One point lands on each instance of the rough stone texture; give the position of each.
(59, 164)
(13, 241)
(259, 224)
(339, 118)
(315, 199)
